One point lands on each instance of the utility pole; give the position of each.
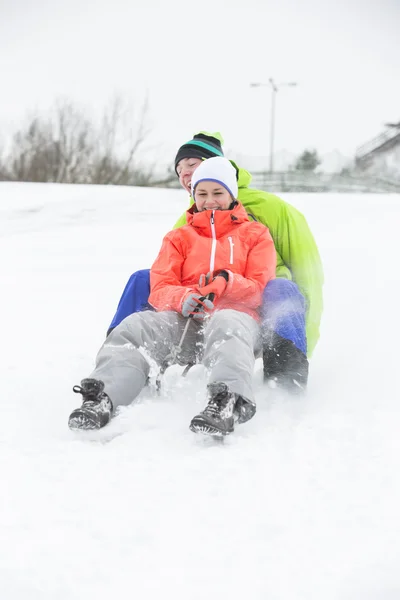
(274, 89)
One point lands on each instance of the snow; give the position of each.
(301, 503)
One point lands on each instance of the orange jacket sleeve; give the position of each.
(260, 268)
(166, 290)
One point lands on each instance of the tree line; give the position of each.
(66, 146)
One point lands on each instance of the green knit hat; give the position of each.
(203, 145)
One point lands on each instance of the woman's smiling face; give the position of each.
(210, 195)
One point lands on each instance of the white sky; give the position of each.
(196, 61)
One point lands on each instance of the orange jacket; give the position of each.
(211, 241)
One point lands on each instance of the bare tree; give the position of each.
(4, 175)
(66, 147)
(74, 141)
(121, 135)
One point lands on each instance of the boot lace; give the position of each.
(90, 395)
(218, 403)
(213, 408)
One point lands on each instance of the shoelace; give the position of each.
(212, 409)
(217, 404)
(89, 397)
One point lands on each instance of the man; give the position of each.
(292, 305)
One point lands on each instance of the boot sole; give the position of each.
(200, 426)
(82, 421)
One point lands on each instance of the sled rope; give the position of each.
(170, 359)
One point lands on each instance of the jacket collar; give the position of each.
(224, 220)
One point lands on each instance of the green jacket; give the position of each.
(297, 253)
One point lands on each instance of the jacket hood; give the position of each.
(244, 177)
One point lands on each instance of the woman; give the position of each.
(219, 253)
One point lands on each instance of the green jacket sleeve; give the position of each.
(299, 252)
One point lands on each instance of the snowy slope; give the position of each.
(301, 503)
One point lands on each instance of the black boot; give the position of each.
(285, 365)
(244, 410)
(96, 408)
(217, 417)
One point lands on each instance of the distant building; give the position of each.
(381, 155)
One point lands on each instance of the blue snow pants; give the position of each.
(283, 310)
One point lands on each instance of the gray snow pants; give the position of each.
(229, 341)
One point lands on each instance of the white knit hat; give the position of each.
(216, 169)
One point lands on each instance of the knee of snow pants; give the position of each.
(231, 340)
(284, 312)
(134, 297)
(124, 360)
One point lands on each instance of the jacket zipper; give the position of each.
(214, 243)
(231, 244)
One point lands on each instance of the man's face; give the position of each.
(185, 169)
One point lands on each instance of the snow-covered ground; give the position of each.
(300, 503)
